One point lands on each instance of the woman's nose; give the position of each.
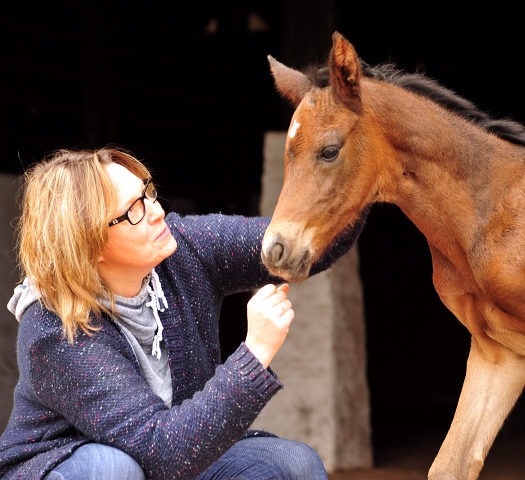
(154, 210)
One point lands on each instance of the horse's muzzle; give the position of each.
(281, 259)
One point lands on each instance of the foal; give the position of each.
(360, 136)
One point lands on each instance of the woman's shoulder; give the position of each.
(38, 319)
(38, 324)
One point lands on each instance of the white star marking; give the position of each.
(294, 128)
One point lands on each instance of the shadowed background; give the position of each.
(186, 87)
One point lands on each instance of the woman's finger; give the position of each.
(283, 306)
(275, 299)
(265, 292)
(287, 318)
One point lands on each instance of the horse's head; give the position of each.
(328, 179)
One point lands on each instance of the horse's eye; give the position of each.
(330, 153)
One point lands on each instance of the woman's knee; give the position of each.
(94, 461)
(303, 462)
(263, 458)
(290, 460)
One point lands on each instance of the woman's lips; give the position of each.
(163, 234)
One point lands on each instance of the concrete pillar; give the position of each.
(322, 363)
(9, 276)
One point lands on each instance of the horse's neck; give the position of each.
(445, 173)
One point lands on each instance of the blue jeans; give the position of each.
(267, 458)
(263, 458)
(95, 461)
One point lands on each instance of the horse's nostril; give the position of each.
(276, 253)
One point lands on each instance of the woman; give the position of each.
(118, 345)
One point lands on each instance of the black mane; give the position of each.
(421, 85)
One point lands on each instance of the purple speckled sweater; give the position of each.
(93, 390)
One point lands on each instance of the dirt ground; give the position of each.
(410, 460)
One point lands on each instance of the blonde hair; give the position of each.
(68, 202)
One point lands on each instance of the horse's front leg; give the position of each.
(493, 383)
(494, 380)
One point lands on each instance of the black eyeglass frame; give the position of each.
(125, 215)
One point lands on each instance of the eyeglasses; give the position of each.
(137, 211)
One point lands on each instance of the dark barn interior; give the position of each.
(186, 87)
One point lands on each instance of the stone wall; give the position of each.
(322, 363)
(9, 276)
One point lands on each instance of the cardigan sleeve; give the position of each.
(230, 248)
(95, 385)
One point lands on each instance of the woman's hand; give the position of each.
(269, 316)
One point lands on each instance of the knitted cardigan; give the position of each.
(93, 390)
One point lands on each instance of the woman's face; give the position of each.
(133, 250)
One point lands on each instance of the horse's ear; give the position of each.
(290, 83)
(345, 72)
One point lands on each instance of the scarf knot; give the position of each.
(156, 294)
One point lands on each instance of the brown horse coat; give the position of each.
(355, 140)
